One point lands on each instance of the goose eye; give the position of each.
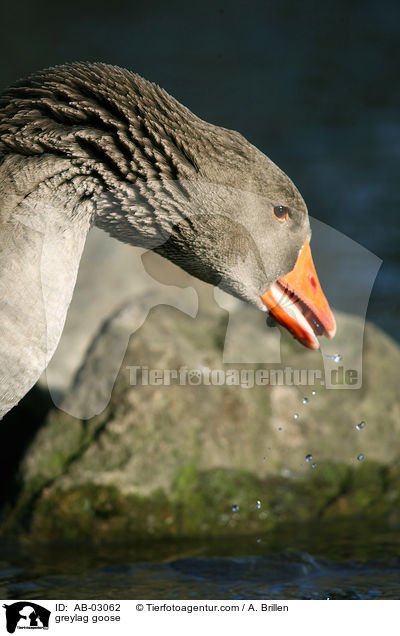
(281, 212)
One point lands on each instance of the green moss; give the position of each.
(210, 503)
(66, 439)
(204, 501)
(93, 512)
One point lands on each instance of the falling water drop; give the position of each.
(279, 428)
(308, 458)
(305, 400)
(313, 393)
(360, 457)
(360, 426)
(235, 508)
(313, 465)
(258, 504)
(336, 357)
(296, 416)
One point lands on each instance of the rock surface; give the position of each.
(177, 460)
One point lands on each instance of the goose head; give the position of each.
(108, 148)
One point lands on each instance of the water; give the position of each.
(346, 560)
(336, 357)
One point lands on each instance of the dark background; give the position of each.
(315, 85)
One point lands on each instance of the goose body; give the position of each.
(92, 144)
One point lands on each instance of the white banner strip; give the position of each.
(183, 617)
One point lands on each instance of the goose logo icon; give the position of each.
(26, 615)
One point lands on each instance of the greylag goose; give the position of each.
(86, 145)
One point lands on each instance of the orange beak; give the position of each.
(298, 303)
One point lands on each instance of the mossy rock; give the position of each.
(173, 460)
(207, 504)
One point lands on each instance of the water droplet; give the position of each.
(235, 508)
(296, 416)
(313, 465)
(258, 540)
(279, 428)
(305, 400)
(265, 459)
(336, 357)
(308, 458)
(360, 426)
(360, 457)
(313, 393)
(258, 504)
